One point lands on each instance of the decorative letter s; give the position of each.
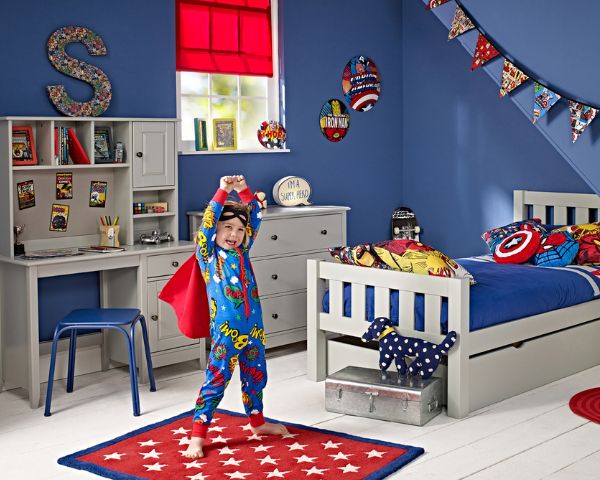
(80, 70)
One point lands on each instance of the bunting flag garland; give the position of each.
(435, 3)
(460, 24)
(543, 100)
(484, 52)
(581, 117)
(512, 77)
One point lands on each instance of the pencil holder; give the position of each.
(109, 235)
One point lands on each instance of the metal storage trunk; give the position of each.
(369, 393)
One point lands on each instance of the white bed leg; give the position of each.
(458, 358)
(316, 368)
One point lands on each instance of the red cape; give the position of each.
(186, 293)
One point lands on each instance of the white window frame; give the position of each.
(274, 108)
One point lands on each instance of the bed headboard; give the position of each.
(556, 208)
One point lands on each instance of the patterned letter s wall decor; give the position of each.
(80, 70)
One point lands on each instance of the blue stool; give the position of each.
(97, 318)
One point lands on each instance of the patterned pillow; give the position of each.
(518, 247)
(360, 255)
(578, 231)
(589, 250)
(556, 250)
(495, 236)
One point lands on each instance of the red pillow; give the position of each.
(518, 247)
(589, 250)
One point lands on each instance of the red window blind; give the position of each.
(224, 36)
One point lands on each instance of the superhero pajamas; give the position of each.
(235, 317)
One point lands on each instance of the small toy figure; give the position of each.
(261, 198)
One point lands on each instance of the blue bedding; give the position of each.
(503, 292)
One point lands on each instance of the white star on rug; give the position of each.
(220, 439)
(315, 470)
(198, 476)
(305, 459)
(155, 467)
(227, 451)
(296, 446)
(184, 441)
(238, 474)
(268, 459)
(114, 456)
(231, 461)
(254, 436)
(375, 453)
(276, 473)
(149, 443)
(330, 444)
(181, 430)
(194, 464)
(262, 448)
(341, 456)
(290, 435)
(215, 419)
(349, 468)
(151, 454)
(246, 427)
(216, 428)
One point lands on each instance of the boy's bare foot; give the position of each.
(194, 449)
(270, 429)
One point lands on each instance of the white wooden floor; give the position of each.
(532, 436)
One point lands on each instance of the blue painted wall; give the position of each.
(465, 149)
(364, 169)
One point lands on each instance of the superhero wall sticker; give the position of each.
(361, 83)
(334, 120)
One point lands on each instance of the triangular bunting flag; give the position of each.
(460, 24)
(435, 3)
(512, 77)
(484, 51)
(581, 117)
(543, 100)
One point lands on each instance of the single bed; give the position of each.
(487, 364)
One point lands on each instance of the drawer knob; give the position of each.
(274, 276)
(154, 318)
(175, 263)
(275, 316)
(323, 232)
(273, 237)
(138, 154)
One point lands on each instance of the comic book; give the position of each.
(60, 218)
(64, 185)
(26, 194)
(98, 193)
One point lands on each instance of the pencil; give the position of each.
(117, 220)
(102, 220)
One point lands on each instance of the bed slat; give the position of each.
(382, 302)
(336, 298)
(539, 211)
(433, 310)
(560, 216)
(358, 302)
(406, 310)
(582, 215)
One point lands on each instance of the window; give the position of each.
(250, 99)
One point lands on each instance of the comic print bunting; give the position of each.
(581, 116)
(484, 52)
(460, 24)
(435, 3)
(543, 100)
(512, 77)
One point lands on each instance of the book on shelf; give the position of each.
(76, 151)
(67, 146)
(101, 249)
(200, 139)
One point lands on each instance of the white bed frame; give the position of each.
(485, 366)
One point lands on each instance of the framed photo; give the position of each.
(224, 134)
(103, 145)
(23, 146)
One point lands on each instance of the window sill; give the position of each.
(235, 152)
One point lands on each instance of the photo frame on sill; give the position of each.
(224, 134)
(103, 149)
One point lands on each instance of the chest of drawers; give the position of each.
(288, 236)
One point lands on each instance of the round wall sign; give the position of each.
(292, 191)
(334, 120)
(361, 83)
(271, 134)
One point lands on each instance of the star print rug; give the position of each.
(233, 452)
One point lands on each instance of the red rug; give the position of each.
(233, 452)
(586, 404)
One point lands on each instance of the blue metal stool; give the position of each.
(98, 318)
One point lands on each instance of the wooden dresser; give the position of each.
(288, 236)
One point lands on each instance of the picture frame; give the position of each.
(23, 146)
(103, 149)
(224, 134)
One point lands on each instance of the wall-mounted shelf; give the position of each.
(138, 216)
(71, 166)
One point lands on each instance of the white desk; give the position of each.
(123, 282)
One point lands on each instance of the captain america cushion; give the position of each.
(518, 247)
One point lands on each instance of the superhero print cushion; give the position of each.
(556, 250)
(589, 250)
(496, 235)
(518, 247)
(578, 231)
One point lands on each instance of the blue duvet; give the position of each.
(503, 292)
